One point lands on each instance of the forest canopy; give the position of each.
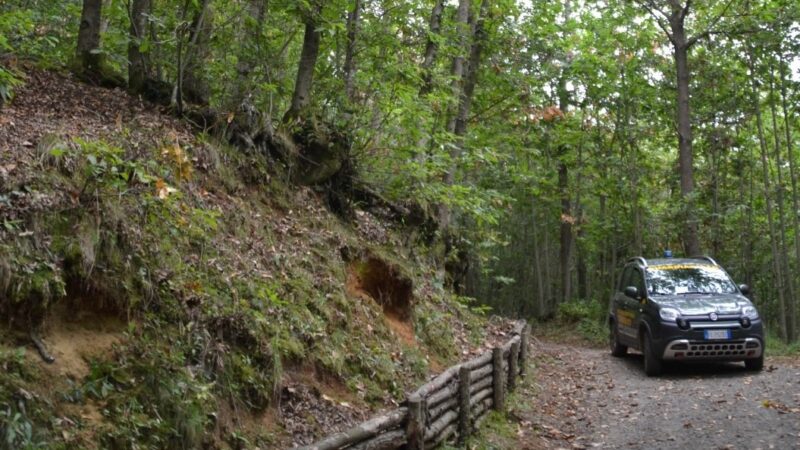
(549, 140)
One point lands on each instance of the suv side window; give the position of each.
(624, 280)
(638, 281)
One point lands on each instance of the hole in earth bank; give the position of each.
(383, 283)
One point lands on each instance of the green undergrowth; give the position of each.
(580, 319)
(228, 279)
(777, 347)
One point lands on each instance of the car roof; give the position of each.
(671, 261)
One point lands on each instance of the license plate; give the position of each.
(717, 334)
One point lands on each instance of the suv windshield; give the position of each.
(690, 278)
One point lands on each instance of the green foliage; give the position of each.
(44, 30)
(9, 80)
(19, 409)
(777, 347)
(590, 316)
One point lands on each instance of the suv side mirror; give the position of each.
(745, 289)
(631, 292)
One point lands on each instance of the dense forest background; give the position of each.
(548, 140)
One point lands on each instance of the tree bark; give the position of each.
(194, 85)
(301, 97)
(472, 69)
(353, 22)
(88, 50)
(431, 48)
(457, 72)
(790, 331)
(776, 266)
(680, 42)
(793, 176)
(138, 61)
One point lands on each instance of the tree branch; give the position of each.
(652, 10)
(710, 29)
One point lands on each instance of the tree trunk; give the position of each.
(541, 309)
(88, 50)
(457, 72)
(565, 253)
(793, 176)
(138, 61)
(353, 20)
(305, 69)
(691, 243)
(194, 85)
(473, 66)
(790, 331)
(431, 48)
(772, 234)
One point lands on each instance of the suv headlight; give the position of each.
(750, 312)
(669, 314)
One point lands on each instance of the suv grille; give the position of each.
(728, 348)
(735, 349)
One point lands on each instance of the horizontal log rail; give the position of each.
(442, 408)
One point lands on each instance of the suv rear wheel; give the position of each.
(652, 362)
(617, 349)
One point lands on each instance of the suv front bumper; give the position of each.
(734, 349)
(676, 344)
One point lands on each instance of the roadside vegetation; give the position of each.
(218, 217)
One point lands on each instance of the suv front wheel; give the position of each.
(755, 365)
(652, 362)
(617, 349)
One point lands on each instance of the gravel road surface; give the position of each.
(583, 398)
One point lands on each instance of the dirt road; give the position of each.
(584, 398)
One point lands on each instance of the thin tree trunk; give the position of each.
(138, 61)
(685, 155)
(353, 21)
(765, 172)
(431, 48)
(793, 175)
(472, 69)
(195, 88)
(790, 330)
(457, 72)
(305, 69)
(88, 48)
(537, 262)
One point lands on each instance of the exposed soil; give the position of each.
(584, 398)
(372, 279)
(75, 338)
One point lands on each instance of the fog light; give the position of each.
(745, 322)
(680, 347)
(751, 344)
(683, 323)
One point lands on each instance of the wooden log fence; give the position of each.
(451, 405)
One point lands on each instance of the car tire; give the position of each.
(653, 365)
(756, 365)
(617, 349)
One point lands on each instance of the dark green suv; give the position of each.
(683, 309)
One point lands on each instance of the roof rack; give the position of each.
(707, 258)
(638, 259)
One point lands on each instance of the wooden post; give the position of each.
(463, 405)
(498, 379)
(523, 350)
(415, 428)
(513, 355)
